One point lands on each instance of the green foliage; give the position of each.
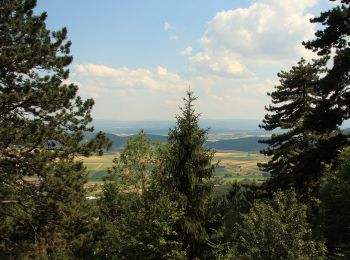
(136, 162)
(335, 203)
(137, 219)
(311, 102)
(189, 169)
(228, 210)
(42, 125)
(298, 154)
(239, 203)
(157, 199)
(277, 229)
(333, 36)
(142, 230)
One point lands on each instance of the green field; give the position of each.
(97, 166)
(239, 166)
(233, 166)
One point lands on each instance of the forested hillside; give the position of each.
(247, 144)
(160, 199)
(118, 142)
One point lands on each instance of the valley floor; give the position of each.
(233, 166)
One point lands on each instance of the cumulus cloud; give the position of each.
(268, 32)
(129, 93)
(241, 51)
(219, 63)
(123, 78)
(144, 93)
(187, 51)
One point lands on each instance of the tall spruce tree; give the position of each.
(298, 153)
(42, 125)
(189, 170)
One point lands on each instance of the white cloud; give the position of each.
(267, 33)
(129, 93)
(236, 98)
(254, 89)
(219, 63)
(162, 71)
(166, 26)
(241, 51)
(187, 51)
(124, 78)
(126, 93)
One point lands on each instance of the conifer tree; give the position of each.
(334, 86)
(298, 153)
(189, 170)
(328, 110)
(42, 125)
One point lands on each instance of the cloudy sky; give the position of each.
(137, 58)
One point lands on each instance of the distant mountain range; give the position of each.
(247, 144)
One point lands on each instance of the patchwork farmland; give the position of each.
(234, 165)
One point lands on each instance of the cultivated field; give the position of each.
(239, 166)
(97, 166)
(234, 165)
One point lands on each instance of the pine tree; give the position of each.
(298, 153)
(334, 36)
(328, 110)
(189, 170)
(42, 126)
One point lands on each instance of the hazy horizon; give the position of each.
(234, 127)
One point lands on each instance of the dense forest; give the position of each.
(159, 200)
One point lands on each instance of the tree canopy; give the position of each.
(42, 125)
(297, 155)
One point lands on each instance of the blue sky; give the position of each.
(137, 58)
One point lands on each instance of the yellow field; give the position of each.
(237, 165)
(97, 165)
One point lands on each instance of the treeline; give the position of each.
(158, 200)
(247, 144)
